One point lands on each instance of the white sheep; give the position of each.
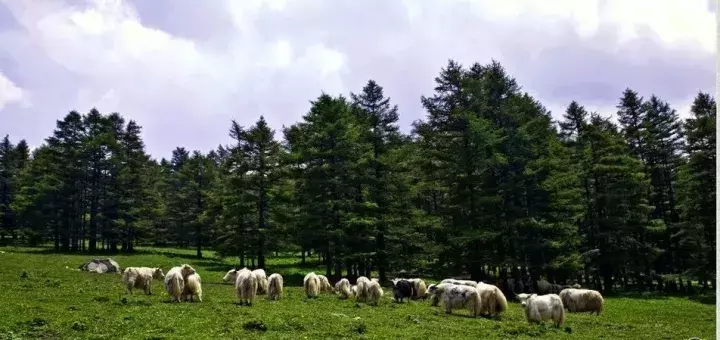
(342, 288)
(420, 288)
(246, 285)
(311, 284)
(362, 283)
(461, 296)
(435, 291)
(373, 293)
(175, 281)
(275, 286)
(192, 288)
(325, 285)
(539, 308)
(262, 280)
(353, 290)
(460, 282)
(582, 300)
(231, 275)
(493, 300)
(141, 277)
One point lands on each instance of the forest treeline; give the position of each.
(486, 185)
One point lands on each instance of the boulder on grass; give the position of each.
(107, 265)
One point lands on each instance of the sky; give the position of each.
(184, 68)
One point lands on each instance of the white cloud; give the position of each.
(11, 93)
(276, 55)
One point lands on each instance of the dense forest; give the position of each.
(487, 185)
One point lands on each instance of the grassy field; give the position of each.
(45, 298)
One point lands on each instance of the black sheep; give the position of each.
(402, 289)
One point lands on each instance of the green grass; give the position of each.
(44, 299)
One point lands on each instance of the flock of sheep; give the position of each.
(182, 283)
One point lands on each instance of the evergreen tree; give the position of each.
(381, 133)
(631, 116)
(196, 175)
(134, 184)
(662, 148)
(618, 221)
(37, 199)
(330, 150)
(66, 145)
(262, 151)
(179, 210)
(697, 194)
(234, 226)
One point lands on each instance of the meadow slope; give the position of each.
(45, 298)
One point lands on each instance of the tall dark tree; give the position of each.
(330, 153)
(262, 152)
(697, 194)
(631, 116)
(381, 133)
(13, 159)
(662, 149)
(134, 183)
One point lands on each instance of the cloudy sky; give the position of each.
(184, 68)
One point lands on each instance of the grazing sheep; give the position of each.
(275, 286)
(373, 293)
(402, 289)
(192, 288)
(311, 284)
(461, 296)
(325, 285)
(493, 300)
(141, 277)
(419, 288)
(460, 282)
(231, 275)
(539, 308)
(582, 300)
(175, 281)
(353, 290)
(262, 280)
(435, 291)
(362, 283)
(246, 285)
(342, 288)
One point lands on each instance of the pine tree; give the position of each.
(6, 186)
(697, 194)
(330, 150)
(618, 222)
(66, 144)
(234, 226)
(263, 160)
(133, 183)
(37, 202)
(179, 211)
(631, 116)
(574, 119)
(382, 136)
(196, 176)
(662, 148)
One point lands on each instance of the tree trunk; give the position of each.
(381, 256)
(361, 268)
(198, 241)
(607, 281)
(328, 265)
(338, 270)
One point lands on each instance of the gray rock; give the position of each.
(107, 265)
